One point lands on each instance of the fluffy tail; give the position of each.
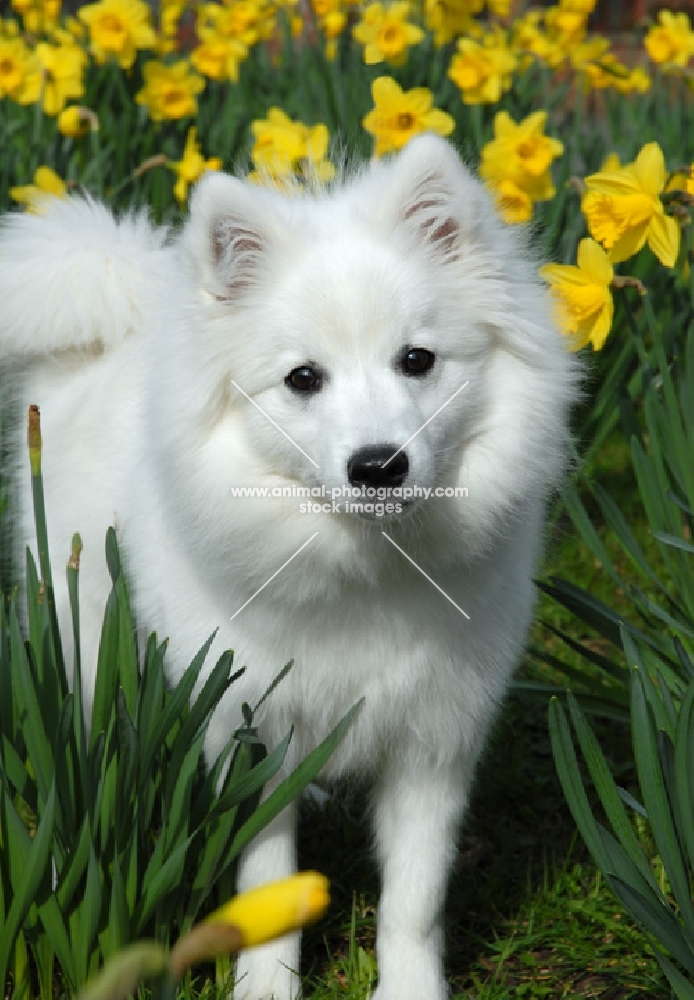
(74, 276)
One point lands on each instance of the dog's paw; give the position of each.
(415, 973)
(401, 990)
(269, 971)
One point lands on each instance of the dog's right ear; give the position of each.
(229, 234)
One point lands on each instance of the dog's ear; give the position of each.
(431, 195)
(229, 233)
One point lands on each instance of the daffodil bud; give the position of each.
(273, 910)
(76, 121)
(34, 439)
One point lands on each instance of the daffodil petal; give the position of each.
(629, 243)
(664, 239)
(602, 325)
(649, 168)
(594, 261)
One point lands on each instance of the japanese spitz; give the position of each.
(377, 363)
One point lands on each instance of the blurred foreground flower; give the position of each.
(250, 919)
(276, 908)
(399, 115)
(46, 184)
(582, 295)
(193, 165)
(623, 209)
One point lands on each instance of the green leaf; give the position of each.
(75, 866)
(607, 790)
(52, 920)
(106, 681)
(569, 774)
(292, 786)
(657, 804)
(253, 780)
(84, 922)
(38, 745)
(674, 540)
(682, 988)
(156, 887)
(684, 774)
(32, 873)
(656, 919)
(174, 708)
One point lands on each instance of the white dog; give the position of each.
(387, 336)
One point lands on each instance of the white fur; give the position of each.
(131, 347)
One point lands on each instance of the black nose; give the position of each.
(365, 467)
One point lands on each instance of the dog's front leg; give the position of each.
(270, 972)
(417, 815)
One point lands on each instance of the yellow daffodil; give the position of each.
(332, 26)
(682, 180)
(331, 18)
(601, 69)
(193, 165)
(513, 203)
(582, 295)
(482, 71)
(523, 153)
(170, 13)
(386, 34)
(623, 209)
(531, 40)
(62, 69)
(20, 71)
(399, 115)
(46, 184)
(611, 162)
(76, 121)
(275, 909)
(248, 21)
(499, 8)
(449, 19)
(218, 57)
(580, 6)
(633, 81)
(170, 92)
(284, 148)
(516, 164)
(117, 29)
(565, 25)
(38, 16)
(671, 41)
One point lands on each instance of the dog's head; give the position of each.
(385, 335)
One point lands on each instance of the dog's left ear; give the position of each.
(430, 195)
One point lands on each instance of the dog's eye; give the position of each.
(303, 379)
(417, 361)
